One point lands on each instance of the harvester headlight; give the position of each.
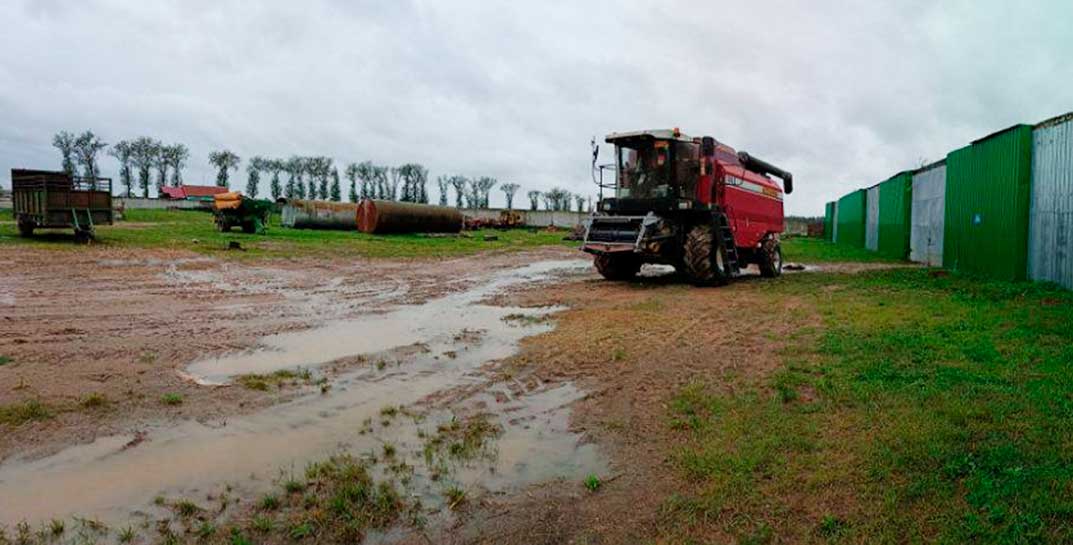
(684, 205)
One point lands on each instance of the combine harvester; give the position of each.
(688, 202)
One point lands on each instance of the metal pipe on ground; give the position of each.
(302, 214)
(382, 217)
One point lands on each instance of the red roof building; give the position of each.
(191, 192)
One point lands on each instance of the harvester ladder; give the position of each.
(727, 235)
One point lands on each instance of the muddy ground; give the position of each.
(124, 327)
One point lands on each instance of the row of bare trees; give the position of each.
(138, 159)
(314, 177)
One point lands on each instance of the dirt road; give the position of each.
(163, 375)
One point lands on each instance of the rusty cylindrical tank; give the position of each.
(301, 214)
(381, 217)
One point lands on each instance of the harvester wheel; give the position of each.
(617, 266)
(705, 257)
(770, 258)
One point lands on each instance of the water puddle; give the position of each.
(435, 323)
(117, 478)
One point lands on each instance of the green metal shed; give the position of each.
(850, 219)
(987, 201)
(895, 202)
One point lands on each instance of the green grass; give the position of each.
(814, 250)
(4, 360)
(172, 399)
(276, 379)
(17, 414)
(922, 409)
(194, 231)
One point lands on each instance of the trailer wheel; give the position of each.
(769, 258)
(26, 228)
(617, 266)
(705, 257)
(83, 236)
(249, 227)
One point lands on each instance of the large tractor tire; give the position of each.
(770, 258)
(705, 257)
(617, 266)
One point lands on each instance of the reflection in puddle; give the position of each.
(107, 479)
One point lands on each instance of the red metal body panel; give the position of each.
(752, 202)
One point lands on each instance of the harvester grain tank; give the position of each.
(383, 217)
(693, 203)
(45, 199)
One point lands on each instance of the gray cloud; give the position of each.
(843, 95)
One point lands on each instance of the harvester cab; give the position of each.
(693, 203)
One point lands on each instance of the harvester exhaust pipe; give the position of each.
(758, 165)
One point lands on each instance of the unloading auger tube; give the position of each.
(764, 167)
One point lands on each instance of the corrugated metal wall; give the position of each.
(926, 234)
(871, 218)
(895, 200)
(851, 219)
(985, 227)
(1050, 231)
(829, 221)
(834, 223)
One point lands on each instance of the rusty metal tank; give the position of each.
(301, 214)
(381, 217)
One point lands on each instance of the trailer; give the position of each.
(45, 199)
(234, 210)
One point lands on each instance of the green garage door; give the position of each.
(895, 200)
(851, 219)
(987, 200)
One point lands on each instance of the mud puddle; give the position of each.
(436, 323)
(117, 478)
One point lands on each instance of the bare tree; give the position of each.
(443, 182)
(225, 161)
(485, 185)
(351, 173)
(141, 155)
(87, 147)
(381, 185)
(65, 142)
(176, 155)
(415, 183)
(393, 189)
(508, 191)
(366, 173)
(335, 193)
(275, 166)
(122, 152)
(473, 193)
(322, 170)
(534, 199)
(161, 164)
(459, 183)
(291, 167)
(580, 201)
(253, 168)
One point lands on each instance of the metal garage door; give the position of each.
(871, 219)
(929, 199)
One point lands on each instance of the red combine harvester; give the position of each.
(693, 203)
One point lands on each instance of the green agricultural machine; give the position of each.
(234, 210)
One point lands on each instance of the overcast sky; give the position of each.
(843, 94)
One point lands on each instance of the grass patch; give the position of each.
(593, 483)
(277, 379)
(4, 360)
(939, 409)
(95, 401)
(814, 250)
(194, 231)
(172, 399)
(17, 414)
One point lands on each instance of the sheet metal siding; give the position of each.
(1050, 226)
(851, 219)
(828, 221)
(894, 204)
(987, 202)
(834, 223)
(927, 213)
(871, 219)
